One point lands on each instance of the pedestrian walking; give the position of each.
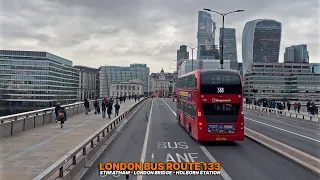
(56, 111)
(103, 108)
(109, 109)
(116, 109)
(87, 106)
(62, 116)
(96, 106)
(124, 98)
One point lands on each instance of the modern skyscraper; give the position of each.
(230, 47)
(205, 35)
(182, 53)
(296, 53)
(260, 42)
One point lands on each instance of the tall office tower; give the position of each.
(230, 47)
(31, 80)
(182, 53)
(260, 42)
(296, 53)
(205, 35)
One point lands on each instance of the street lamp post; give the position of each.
(222, 36)
(192, 48)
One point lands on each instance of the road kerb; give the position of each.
(296, 155)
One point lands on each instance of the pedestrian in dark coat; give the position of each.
(109, 109)
(56, 111)
(62, 116)
(103, 108)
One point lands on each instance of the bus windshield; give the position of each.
(210, 83)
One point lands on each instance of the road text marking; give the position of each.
(224, 174)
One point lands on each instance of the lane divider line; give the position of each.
(146, 139)
(313, 168)
(284, 130)
(224, 174)
(106, 144)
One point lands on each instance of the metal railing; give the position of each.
(70, 165)
(285, 113)
(16, 123)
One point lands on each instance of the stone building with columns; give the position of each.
(162, 83)
(128, 88)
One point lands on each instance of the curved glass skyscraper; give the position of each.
(260, 42)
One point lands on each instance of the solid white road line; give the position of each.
(146, 138)
(224, 174)
(284, 130)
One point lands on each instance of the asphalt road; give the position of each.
(126, 146)
(250, 160)
(167, 141)
(300, 135)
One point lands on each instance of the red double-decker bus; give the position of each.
(209, 104)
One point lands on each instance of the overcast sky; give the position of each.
(119, 32)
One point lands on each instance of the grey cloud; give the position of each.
(107, 29)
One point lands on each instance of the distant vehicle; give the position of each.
(210, 105)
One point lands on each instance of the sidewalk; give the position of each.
(25, 155)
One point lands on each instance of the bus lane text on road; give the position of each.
(172, 156)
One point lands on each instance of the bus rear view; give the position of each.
(220, 106)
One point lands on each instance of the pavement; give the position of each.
(163, 139)
(300, 134)
(27, 154)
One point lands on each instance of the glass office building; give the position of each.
(260, 42)
(119, 73)
(230, 47)
(297, 53)
(279, 81)
(315, 68)
(206, 29)
(32, 80)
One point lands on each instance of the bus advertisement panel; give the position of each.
(218, 104)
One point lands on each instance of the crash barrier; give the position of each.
(71, 164)
(285, 113)
(15, 123)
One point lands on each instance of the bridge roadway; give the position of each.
(27, 154)
(163, 139)
(301, 134)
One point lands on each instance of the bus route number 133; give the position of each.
(211, 166)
